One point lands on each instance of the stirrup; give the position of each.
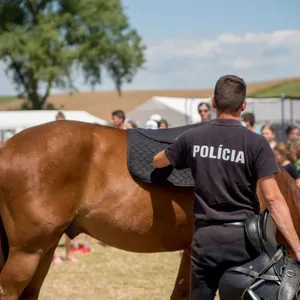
(250, 295)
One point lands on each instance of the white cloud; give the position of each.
(192, 62)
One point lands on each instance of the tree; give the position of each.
(42, 42)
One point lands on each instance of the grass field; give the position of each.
(111, 274)
(291, 89)
(6, 99)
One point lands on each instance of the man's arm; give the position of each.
(160, 160)
(175, 154)
(280, 212)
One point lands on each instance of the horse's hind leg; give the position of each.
(23, 261)
(31, 292)
(18, 272)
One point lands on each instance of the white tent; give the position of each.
(177, 111)
(12, 122)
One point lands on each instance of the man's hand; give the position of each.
(160, 160)
(280, 212)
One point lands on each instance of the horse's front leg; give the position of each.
(31, 246)
(181, 289)
(19, 270)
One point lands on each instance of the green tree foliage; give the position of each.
(42, 42)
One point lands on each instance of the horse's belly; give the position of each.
(154, 240)
(140, 230)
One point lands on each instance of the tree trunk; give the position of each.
(35, 100)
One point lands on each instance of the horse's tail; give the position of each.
(3, 245)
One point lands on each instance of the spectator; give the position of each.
(291, 131)
(268, 131)
(293, 146)
(131, 124)
(118, 119)
(204, 111)
(163, 124)
(285, 160)
(156, 117)
(151, 124)
(249, 121)
(60, 116)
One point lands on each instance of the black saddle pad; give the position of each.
(143, 144)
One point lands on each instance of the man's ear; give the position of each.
(244, 105)
(213, 102)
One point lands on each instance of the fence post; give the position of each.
(282, 118)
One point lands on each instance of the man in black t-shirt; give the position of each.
(227, 160)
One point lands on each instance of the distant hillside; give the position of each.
(291, 89)
(102, 103)
(5, 99)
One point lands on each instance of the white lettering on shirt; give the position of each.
(219, 153)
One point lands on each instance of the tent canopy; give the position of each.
(177, 111)
(28, 118)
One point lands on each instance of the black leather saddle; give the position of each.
(271, 275)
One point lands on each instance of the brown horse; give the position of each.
(72, 177)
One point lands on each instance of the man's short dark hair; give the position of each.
(230, 93)
(249, 117)
(119, 113)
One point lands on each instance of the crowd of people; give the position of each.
(119, 121)
(287, 153)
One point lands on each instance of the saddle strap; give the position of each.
(290, 283)
(255, 274)
(275, 259)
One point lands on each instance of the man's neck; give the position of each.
(222, 115)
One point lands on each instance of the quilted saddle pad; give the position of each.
(144, 144)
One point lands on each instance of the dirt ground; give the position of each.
(107, 273)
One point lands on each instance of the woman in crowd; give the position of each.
(268, 131)
(286, 161)
(204, 111)
(292, 131)
(293, 146)
(163, 124)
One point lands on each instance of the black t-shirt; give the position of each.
(291, 169)
(226, 160)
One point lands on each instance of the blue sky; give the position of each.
(191, 43)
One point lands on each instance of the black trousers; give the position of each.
(215, 249)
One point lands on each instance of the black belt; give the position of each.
(204, 223)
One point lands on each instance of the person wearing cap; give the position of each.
(151, 124)
(156, 117)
